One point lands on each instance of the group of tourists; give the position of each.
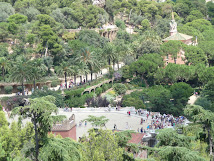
(158, 121)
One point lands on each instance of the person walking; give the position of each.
(115, 126)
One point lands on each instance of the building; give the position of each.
(175, 35)
(137, 138)
(66, 128)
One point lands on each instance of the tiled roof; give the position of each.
(178, 36)
(136, 138)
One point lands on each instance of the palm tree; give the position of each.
(89, 60)
(64, 69)
(37, 70)
(109, 53)
(20, 71)
(4, 65)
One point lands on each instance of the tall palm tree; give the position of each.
(37, 70)
(64, 69)
(4, 65)
(21, 71)
(109, 53)
(89, 60)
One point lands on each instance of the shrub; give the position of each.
(19, 88)
(120, 88)
(98, 91)
(76, 102)
(120, 24)
(137, 103)
(97, 102)
(112, 92)
(109, 97)
(12, 102)
(104, 87)
(73, 93)
(137, 82)
(45, 92)
(54, 83)
(8, 89)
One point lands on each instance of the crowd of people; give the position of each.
(158, 121)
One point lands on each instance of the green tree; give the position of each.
(145, 24)
(208, 48)
(195, 55)
(6, 10)
(4, 65)
(39, 110)
(17, 19)
(64, 69)
(37, 70)
(204, 117)
(180, 93)
(61, 149)
(97, 121)
(159, 99)
(172, 48)
(209, 90)
(103, 145)
(20, 72)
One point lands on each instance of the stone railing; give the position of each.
(96, 86)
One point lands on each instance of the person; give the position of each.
(71, 109)
(141, 121)
(129, 113)
(141, 130)
(115, 126)
(85, 123)
(80, 123)
(148, 127)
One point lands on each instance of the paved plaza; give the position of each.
(120, 118)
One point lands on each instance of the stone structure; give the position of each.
(96, 86)
(99, 3)
(175, 35)
(137, 138)
(27, 86)
(109, 33)
(66, 128)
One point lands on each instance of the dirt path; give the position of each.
(192, 99)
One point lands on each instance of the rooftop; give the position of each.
(178, 36)
(136, 138)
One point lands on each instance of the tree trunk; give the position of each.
(86, 77)
(211, 145)
(75, 79)
(23, 93)
(109, 63)
(130, 15)
(145, 81)
(118, 66)
(80, 79)
(96, 76)
(34, 84)
(91, 76)
(65, 80)
(36, 138)
(113, 65)
(3, 72)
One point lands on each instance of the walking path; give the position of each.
(192, 99)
